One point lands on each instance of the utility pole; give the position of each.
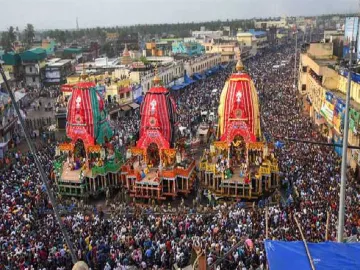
(295, 65)
(340, 231)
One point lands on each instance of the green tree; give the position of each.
(8, 38)
(29, 35)
(144, 60)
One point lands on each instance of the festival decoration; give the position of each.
(158, 113)
(86, 119)
(238, 109)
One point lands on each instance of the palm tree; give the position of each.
(7, 39)
(29, 35)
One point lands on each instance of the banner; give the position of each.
(327, 110)
(351, 33)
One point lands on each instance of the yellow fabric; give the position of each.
(221, 109)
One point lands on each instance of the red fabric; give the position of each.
(157, 112)
(239, 105)
(67, 87)
(80, 122)
(153, 136)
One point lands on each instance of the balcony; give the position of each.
(9, 125)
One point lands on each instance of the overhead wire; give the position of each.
(43, 176)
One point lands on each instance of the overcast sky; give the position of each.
(48, 14)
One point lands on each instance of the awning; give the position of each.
(134, 105)
(139, 99)
(19, 95)
(114, 110)
(197, 76)
(125, 108)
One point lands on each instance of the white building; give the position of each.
(204, 34)
(265, 24)
(201, 63)
(166, 73)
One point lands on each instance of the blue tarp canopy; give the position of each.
(212, 70)
(187, 81)
(198, 76)
(139, 99)
(326, 255)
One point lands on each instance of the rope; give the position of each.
(43, 176)
(305, 244)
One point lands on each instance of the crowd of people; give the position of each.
(140, 238)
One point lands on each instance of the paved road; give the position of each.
(34, 114)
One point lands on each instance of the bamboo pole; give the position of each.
(327, 225)
(305, 244)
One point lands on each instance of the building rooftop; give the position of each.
(244, 34)
(58, 63)
(35, 54)
(324, 62)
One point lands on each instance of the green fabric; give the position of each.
(108, 167)
(72, 50)
(36, 54)
(95, 110)
(11, 59)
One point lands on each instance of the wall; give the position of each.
(355, 88)
(321, 50)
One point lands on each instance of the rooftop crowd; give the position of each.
(137, 237)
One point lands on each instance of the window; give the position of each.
(30, 69)
(127, 94)
(34, 79)
(303, 87)
(304, 69)
(121, 95)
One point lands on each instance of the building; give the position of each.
(324, 90)
(204, 34)
(245, 39)
(227, 49)
(188, 48)
(91, 51)
(126, 58)
(202, 63)
(8, 120)
(266, 24)
(260, 38)
(112, 36)
(57, 70)
(166, 72)
(49, 46)
(34, 66)
(12, 65)
(161, 48)
(73, 53)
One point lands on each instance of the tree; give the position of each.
(29, 35)
(7, 39)
(144, 60)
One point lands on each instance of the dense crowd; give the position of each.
(140, 238)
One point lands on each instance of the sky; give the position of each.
(61, 14)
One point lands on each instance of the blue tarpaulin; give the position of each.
(139, 99)
(198, 76)
(326, 255)
(187, 81)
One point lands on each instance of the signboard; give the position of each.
(137, 91)
(52, 74)
(327, 110)
(8, 68)
(351, 33)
